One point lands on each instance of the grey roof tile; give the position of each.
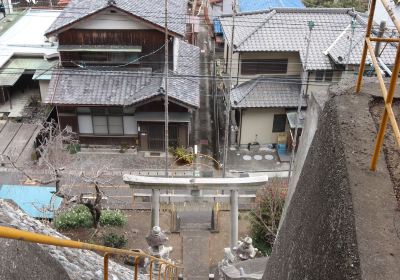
(287, 29)
(150, 10)
(268, 92)
(123, 88)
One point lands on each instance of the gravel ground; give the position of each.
(390, 147)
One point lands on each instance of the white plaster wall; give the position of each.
(108, 20)
(44, 86)
(322, 86)
(294, 63)
(257, 125)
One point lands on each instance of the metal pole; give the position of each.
(166, 139)
(311, 25)
(155, 208)
(234, 217)
(228, 95)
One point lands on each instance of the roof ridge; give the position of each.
(255, 82)
(313, 10)
(269, 16)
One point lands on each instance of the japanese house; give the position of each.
(272, 68)
(110, 86)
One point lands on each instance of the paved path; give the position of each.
(195, 246)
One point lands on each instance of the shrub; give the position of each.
(183, 156)
(264, 219)
(114, 240)
(77, 217)
(112, 218)
(73, 148)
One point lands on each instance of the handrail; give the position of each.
(387, 94)
(12, 233)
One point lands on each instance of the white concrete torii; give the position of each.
(197, 183)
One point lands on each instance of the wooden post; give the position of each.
(365, 49)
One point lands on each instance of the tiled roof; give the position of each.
(257, 5)
(124, 88)
(268, 92)
(339, 50)
(287, 29)
(149, 10)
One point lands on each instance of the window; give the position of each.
(328, 75)
(85, 124)
(279, 123)
(107, 57)
(106, 121)
(100, 125)
(264, 66)
(115, 125)
(319, 75)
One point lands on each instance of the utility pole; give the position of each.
(381, 32)
(311, 25)
(353, 27)
(228, 95)
(166, 139)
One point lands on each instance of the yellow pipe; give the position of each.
(12, 233)
(387, 114)
(105, 266)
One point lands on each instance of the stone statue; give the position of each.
(245, 250)
(156, 240)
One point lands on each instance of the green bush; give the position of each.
(77, 217)
(183, 156)
(113, 218)
(73, 148)
(80, 217)
(114, 240)
(265, 217)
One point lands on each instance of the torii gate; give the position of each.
(168, 183)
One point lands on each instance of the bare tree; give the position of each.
(54, 155)
(266, 215)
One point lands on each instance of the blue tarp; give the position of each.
(33, 200)
(217, 26)
(257, 5)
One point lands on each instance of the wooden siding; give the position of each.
(149, 40)
(114, 140)
(158, 106)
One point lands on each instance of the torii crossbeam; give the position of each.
(197, 183)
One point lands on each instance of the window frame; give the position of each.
(91, 111)
(275, 123)
(260, 69)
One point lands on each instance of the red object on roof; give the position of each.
(63, 2)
